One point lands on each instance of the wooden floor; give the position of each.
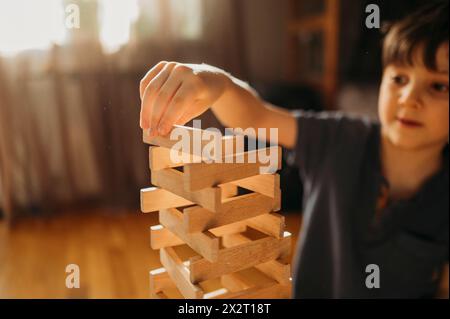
(112, 250)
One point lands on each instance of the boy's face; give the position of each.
(413, 102)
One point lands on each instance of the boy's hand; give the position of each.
(174, 93)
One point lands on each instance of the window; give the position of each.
(186, 18)
(30, 24)
(115, 20)
(37, 24)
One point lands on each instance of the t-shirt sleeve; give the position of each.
(321, 135)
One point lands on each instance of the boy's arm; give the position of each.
(174, 93)
(240, 106)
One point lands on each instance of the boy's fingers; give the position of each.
(176, 109)
(162, 100)
(149, 76)
(150, 92)
(183, 119)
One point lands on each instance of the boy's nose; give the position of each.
(410, 97)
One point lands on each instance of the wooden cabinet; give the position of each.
(313, 31)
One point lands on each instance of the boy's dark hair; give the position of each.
(428, 26)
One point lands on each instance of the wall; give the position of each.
(264, 37)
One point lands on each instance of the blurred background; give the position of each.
(72, 159)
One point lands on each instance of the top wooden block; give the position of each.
(228, 143)
(187, 145)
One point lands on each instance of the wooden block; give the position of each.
(172, 293)
(271, 224)
(268, 291)
(277, 200)
(153, 199)
(204, 243)
(202, 175)
(228, 190)
(248, 205)
(159, 158)
(239, 257)
(215, 294)
(229, 229)
(196, 218)
(161, 237)
(249, 284)
(211, 198)
(162, 286)
(159, 279)
(229, 144)
(266, 184)
(236, 285)
(235, 282)
(235, 240)
(278, 270)
(179, 274)
(172, 181)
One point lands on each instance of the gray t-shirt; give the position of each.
(339, 164)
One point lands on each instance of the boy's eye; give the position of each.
(440, 87)
(399, 79)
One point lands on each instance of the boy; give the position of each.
(376, 194)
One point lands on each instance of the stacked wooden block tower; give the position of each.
(242, 246)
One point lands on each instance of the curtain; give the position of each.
(69, 132)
